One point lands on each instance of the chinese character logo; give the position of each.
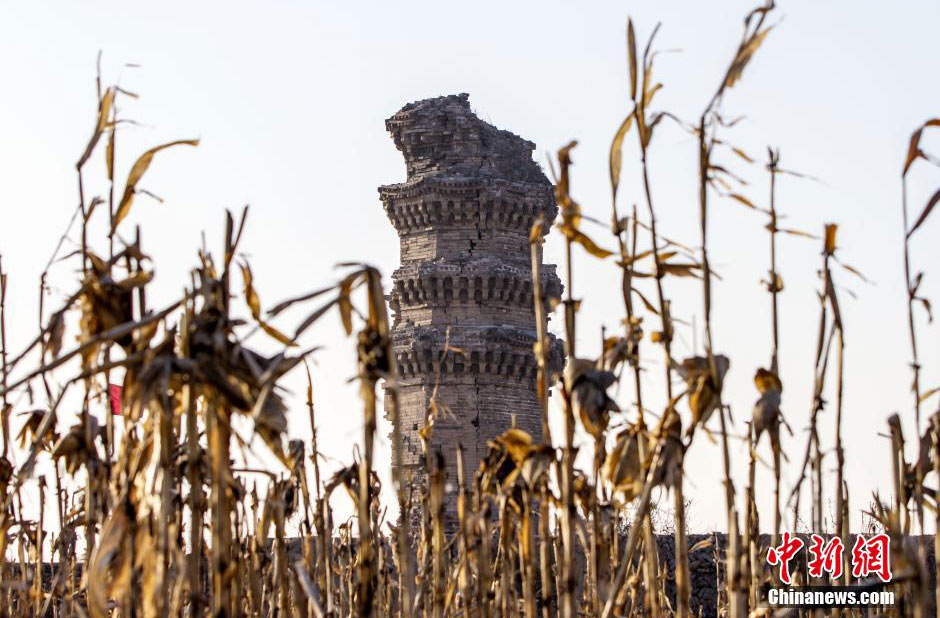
(871, 556)
(826, 557)
(782, 554)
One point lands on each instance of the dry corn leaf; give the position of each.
(929, 393)
(579, 237)
(518, 444)
(644, 87)
(137, 171)
(703, 544)
(631, 57)
(378, 316)
(29, 432)
(664, 256)
(913, 151)
(680, 270)
(723, 170)
(648, 98)
(646, 303)
(925, 213)
(104, 111)
(56, 333)
(630, 260)
(622, 465)
(254, 304)
(313, 317)
(562, 186)
(109, 155)
(280, 307)
(793, 232)
(853, 270)
(73, 448)
(647, 58)
(925, 302)
(744, 55)
(109, 569)
(741, 154)
(740, 198)
(616, 154)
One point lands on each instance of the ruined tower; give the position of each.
(463, 216)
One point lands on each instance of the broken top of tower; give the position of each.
(442, 136)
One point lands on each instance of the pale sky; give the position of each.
(289, 99)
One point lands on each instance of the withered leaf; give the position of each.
(616, 153)
(622, 466)
(925, 213)
(647, 133)
(313, 317)
(646, 303)
(104, 110)
(629, 261)
(929, 393)
(109, 568)
(854, 271)
(29, 433)
(518, 444)
(56, 333)
(913, 149)
(744, 55)
(650, 93)
(631, 54)
(582, 239)
(109, 155)
(665, 256)
(344, 303)
(254, 305)
(793, 232)
(743, 200)
(287, 303)
(723, 170)
(925, 302)
(680, 270)
(703, 544)
(137, 171)
(741, 154)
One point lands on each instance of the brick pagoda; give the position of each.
(463, 217)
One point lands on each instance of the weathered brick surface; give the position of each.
(463, 217)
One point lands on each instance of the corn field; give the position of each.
(160, 517)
